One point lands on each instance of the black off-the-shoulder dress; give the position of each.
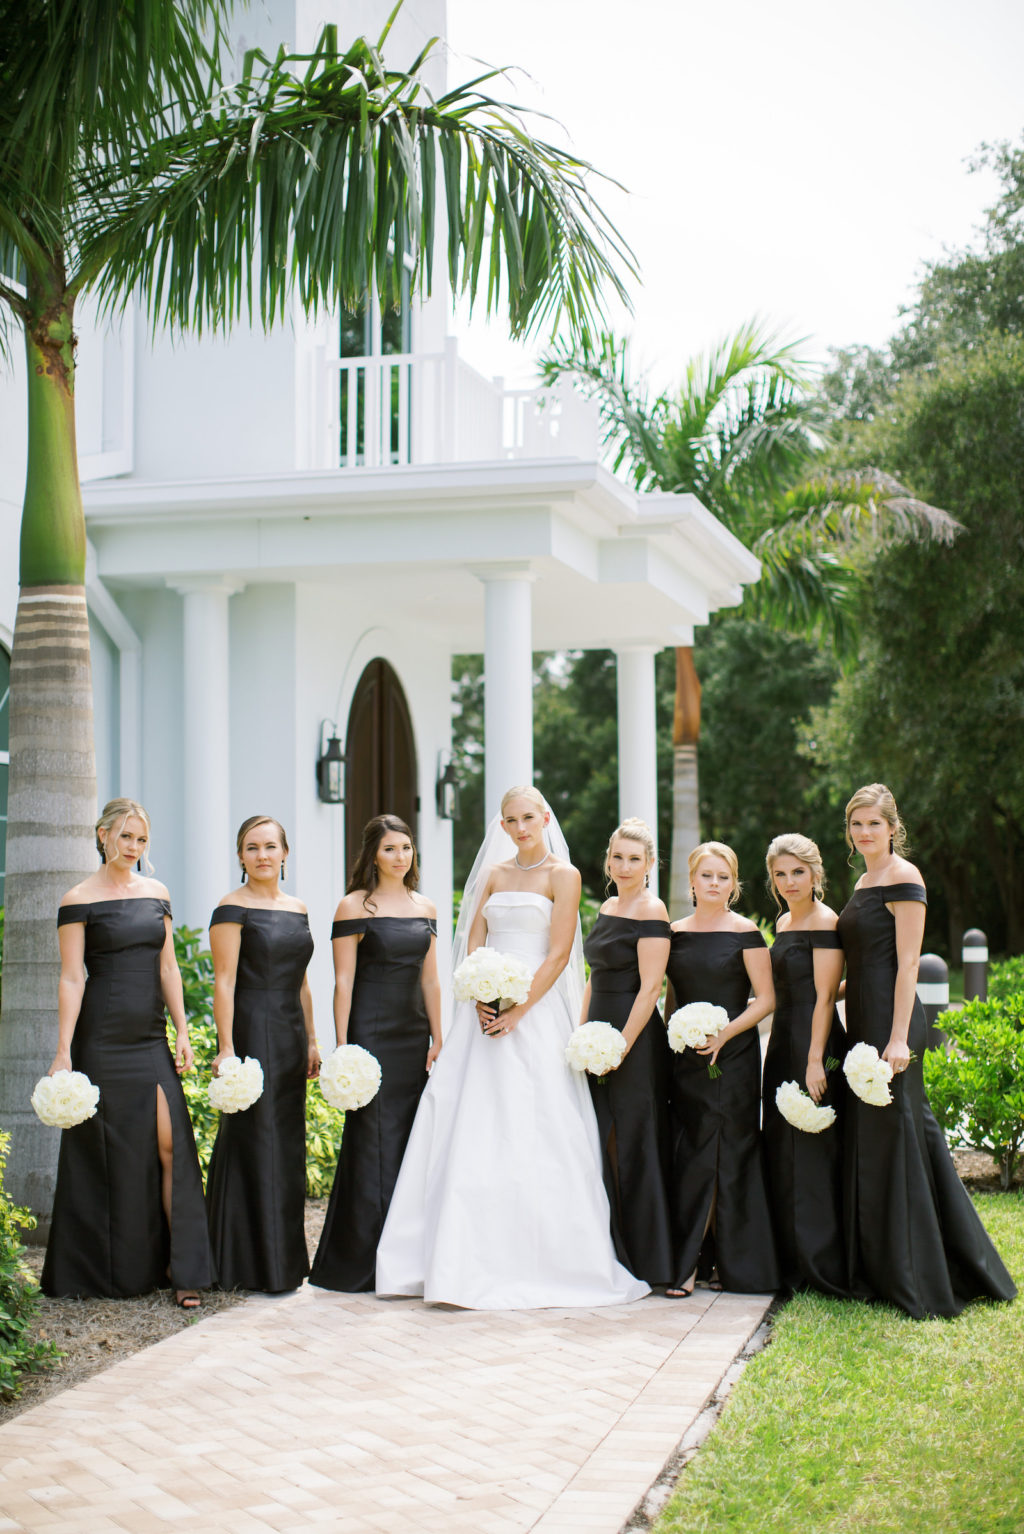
(804, 1170)
(631, 1102)
(109, 1235)
(913, 1236)
(256, 1189)
(718, 1187)
(387, 1017)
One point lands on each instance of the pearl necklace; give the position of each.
(524, 868)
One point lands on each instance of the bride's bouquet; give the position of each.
(489, 976)
(595, 1047)
(350, 1077)
(800, 1110)
(691, 1027)
(237, 1084)
(869, 1075)
(65, 1099)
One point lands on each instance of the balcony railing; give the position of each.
(432, 407)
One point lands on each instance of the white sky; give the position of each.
(798, 161)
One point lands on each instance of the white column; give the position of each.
(508, 682)
(638, 741)
(207, 832)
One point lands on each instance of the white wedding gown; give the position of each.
(499, 1203)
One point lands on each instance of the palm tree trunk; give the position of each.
(52, 797)
(685, 797)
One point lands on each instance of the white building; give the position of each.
(294, 532)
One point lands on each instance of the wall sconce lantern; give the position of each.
(330, 767)
(447, 788)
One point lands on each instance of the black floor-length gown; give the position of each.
(256, 1188)
(387, 1017)
(631, 1102)
(913, 1236)
(717, 1163)
(108, 1234)
(804, 1171)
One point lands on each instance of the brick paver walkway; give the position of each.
(365, 1416)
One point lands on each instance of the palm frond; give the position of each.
(632, 423)
(848, 507)
(323, 169)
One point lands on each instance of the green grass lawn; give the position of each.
(857, 1418)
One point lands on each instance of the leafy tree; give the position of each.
(935, 703)
(760, 686)
(743, 432)
(130, 165)
(971, 293)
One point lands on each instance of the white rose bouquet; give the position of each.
(869, 1075)
(350, 1077)
(800, 1110)
(65, 1099)
(691, 1027)
(237, 1085)
(489, 976)
(595, 1047)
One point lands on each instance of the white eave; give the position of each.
(571, 521)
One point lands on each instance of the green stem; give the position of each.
(52, 524)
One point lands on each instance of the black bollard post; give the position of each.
(933, 993)
(975, 954)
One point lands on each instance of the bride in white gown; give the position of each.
(500, 1202)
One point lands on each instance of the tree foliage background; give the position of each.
(928, 697)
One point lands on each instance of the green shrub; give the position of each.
(976, 1086)
(323, 1123)
(19, 1296)
(1006, 979)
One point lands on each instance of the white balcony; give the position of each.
(432, 407)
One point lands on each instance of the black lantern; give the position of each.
(447, 789)
(330, 767)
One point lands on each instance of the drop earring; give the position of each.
(693, 895)
(283, 866)
(891, 847)
(242, 866)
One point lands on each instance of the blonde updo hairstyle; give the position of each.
(523, 791)
(878, 796)
(716, 850)
(116, 814)
(794, 845)
(633, 829)
(250, 825)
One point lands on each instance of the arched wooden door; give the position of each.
(380, 756)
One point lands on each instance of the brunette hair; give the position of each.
(870, 796)
(259, 820)
(121, 810)
(716, 850)
(794, 845)
(364, 875)
(633, 829)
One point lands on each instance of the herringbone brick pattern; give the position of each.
(362, 1416)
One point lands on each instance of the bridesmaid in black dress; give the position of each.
(387, 998)
(627, 951)
(128, 1209)
(807, 1045)
(723, 1227)
(913, 1235)
(256, 1189)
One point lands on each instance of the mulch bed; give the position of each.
(93, 1334)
